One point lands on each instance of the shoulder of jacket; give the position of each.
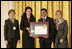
(40, 19)
(51, 19)
(7, 20)
(16, 20)
(65, 21)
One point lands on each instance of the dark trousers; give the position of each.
(45, 43)
(12, 43)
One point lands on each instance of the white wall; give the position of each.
(5, 7)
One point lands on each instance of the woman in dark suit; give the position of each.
(61, 40)
(27, 17)
(11, 30)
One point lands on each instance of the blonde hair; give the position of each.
(59, 12)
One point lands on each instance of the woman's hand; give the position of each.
(19, 41)
(6, 42)
(61, 40)
(28, 29)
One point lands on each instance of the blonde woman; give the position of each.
(62, 31)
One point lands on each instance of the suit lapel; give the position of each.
(41, 20)
(14, 22)
(47, 19)
(11, 22)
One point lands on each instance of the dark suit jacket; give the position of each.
(9, 33)
(24, 24)
(51, 26)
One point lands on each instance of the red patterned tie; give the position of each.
(43, 19)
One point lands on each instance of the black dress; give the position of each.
(27, 42)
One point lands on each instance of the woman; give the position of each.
(27, 17)
(11, 30)
(62, 31)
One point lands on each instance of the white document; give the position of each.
(40, 29)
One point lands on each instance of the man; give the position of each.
(45, 42)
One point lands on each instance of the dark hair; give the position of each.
(28, 8)
(44, 10)
(24, 14)
(11, 10)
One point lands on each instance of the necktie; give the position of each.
(43, 19)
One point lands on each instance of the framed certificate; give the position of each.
(39, 28)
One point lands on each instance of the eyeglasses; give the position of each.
(43, 12)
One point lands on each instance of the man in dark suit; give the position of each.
(45, 42)
(11, 30)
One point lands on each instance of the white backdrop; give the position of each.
(5, 7)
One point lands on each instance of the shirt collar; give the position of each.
(11, 19)
(45, 17)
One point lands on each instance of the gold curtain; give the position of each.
(51, 6)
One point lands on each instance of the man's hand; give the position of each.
(61, 41)
(6, 42)
(45, 36)
(35, 36)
